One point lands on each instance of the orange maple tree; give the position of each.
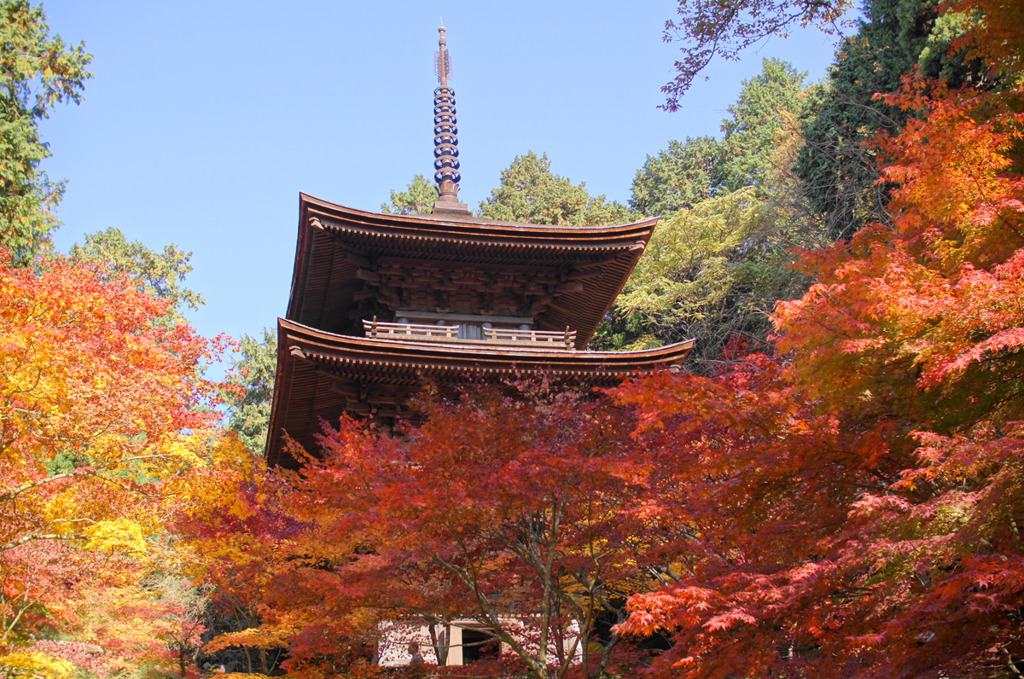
(99, 403)
(233, 516)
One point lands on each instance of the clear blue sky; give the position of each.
(204, 120)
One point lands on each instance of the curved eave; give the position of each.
(324, 280)
(488, 231)
(325, 347)
(312, 364)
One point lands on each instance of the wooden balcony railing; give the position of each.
(421, 332)
(381, 330)
(564, 340)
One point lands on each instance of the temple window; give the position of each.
(478, 645)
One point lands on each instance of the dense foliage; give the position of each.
(509, 500)
(37, 71)
(160, 274)
(838, 168)
(846, 501)
(101, 405)
(712, 272)
(679, 177)
(732, 216)
(530, 192)
(857, 503)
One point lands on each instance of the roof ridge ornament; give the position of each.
(446, 140)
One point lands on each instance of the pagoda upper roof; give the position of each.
(351, 264)
(321, 375)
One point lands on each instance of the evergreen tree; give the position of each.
(679, 177)
(761, 126)
(837, 164)
(36, 72)
(251, 391)
(531, 192)
(760, 138)
(720, 257)
(417, 199)
(160, 274)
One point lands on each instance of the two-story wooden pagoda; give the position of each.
(382, 305)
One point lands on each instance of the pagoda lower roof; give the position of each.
(321, 375)
(351, 264)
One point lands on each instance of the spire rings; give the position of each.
(446, 141)
(454, 176)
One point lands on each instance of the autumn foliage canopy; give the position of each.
(100, 404)
(858, 499)
(848, 504)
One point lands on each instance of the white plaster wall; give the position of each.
(395, 637)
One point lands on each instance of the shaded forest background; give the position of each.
(834, 489)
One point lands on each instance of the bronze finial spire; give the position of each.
(443, 62)
(446, 140)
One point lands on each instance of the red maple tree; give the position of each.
(856, 505)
